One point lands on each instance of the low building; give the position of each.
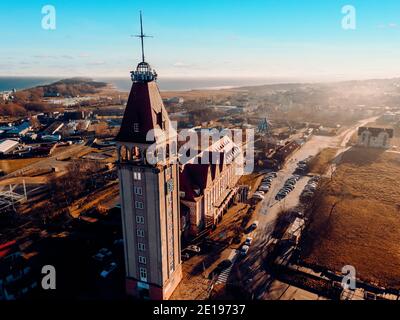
(208, 185)
(8, 146)
(373, 137)
(76, 115)
(294, 231)
(285, 151)
(391, 117)
(19, 130)
(53, 128)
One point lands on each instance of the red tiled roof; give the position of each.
(4, 253)
(7, 245)
(5, 248)
(144, 111)
(194, 176)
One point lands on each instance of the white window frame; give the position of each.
(143, 274)
(141, 247)
(139, 205)
(137, 176)
(142, 260)
(138, 191)
(140, 233)
(140, 220)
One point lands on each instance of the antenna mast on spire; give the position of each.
(142, 36)
(143, 72)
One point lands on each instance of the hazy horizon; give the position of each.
(174, 83)
(223, 39)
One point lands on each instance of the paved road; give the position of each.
(270, 209)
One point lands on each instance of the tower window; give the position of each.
(142, 260)
(143, 274)
(160, 121)
(139, 205)
(138, 191)
(141, 247)
(137, 176)
(170, 186)
(140, 219)
(140, 233)
(136, 127)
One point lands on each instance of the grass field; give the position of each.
(363, 230)
(321, 162)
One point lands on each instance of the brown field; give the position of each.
(322, 161)
(364, 227)
(196, 94)
(9, 166)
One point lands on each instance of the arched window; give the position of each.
(124, 153)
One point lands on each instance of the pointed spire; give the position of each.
(145, 110)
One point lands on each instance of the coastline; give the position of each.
(124, 84)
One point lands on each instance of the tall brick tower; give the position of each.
(149, 190)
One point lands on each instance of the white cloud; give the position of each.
(181, 65)
(97, 63)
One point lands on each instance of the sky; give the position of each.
(299, 39)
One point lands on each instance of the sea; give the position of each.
(165, 84)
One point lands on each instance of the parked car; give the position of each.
(185, 256)
(289, 187)
(255, 225)
(244, 250)
(310, 188)
(102, 255)
(193, 248)
(258, 196)
(108, 270)
(279, 197)
(248, 241)
(268, 180)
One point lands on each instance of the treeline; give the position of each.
(73, 87)
(23, 103)
(31, 100)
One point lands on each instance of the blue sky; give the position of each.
(208, 38)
